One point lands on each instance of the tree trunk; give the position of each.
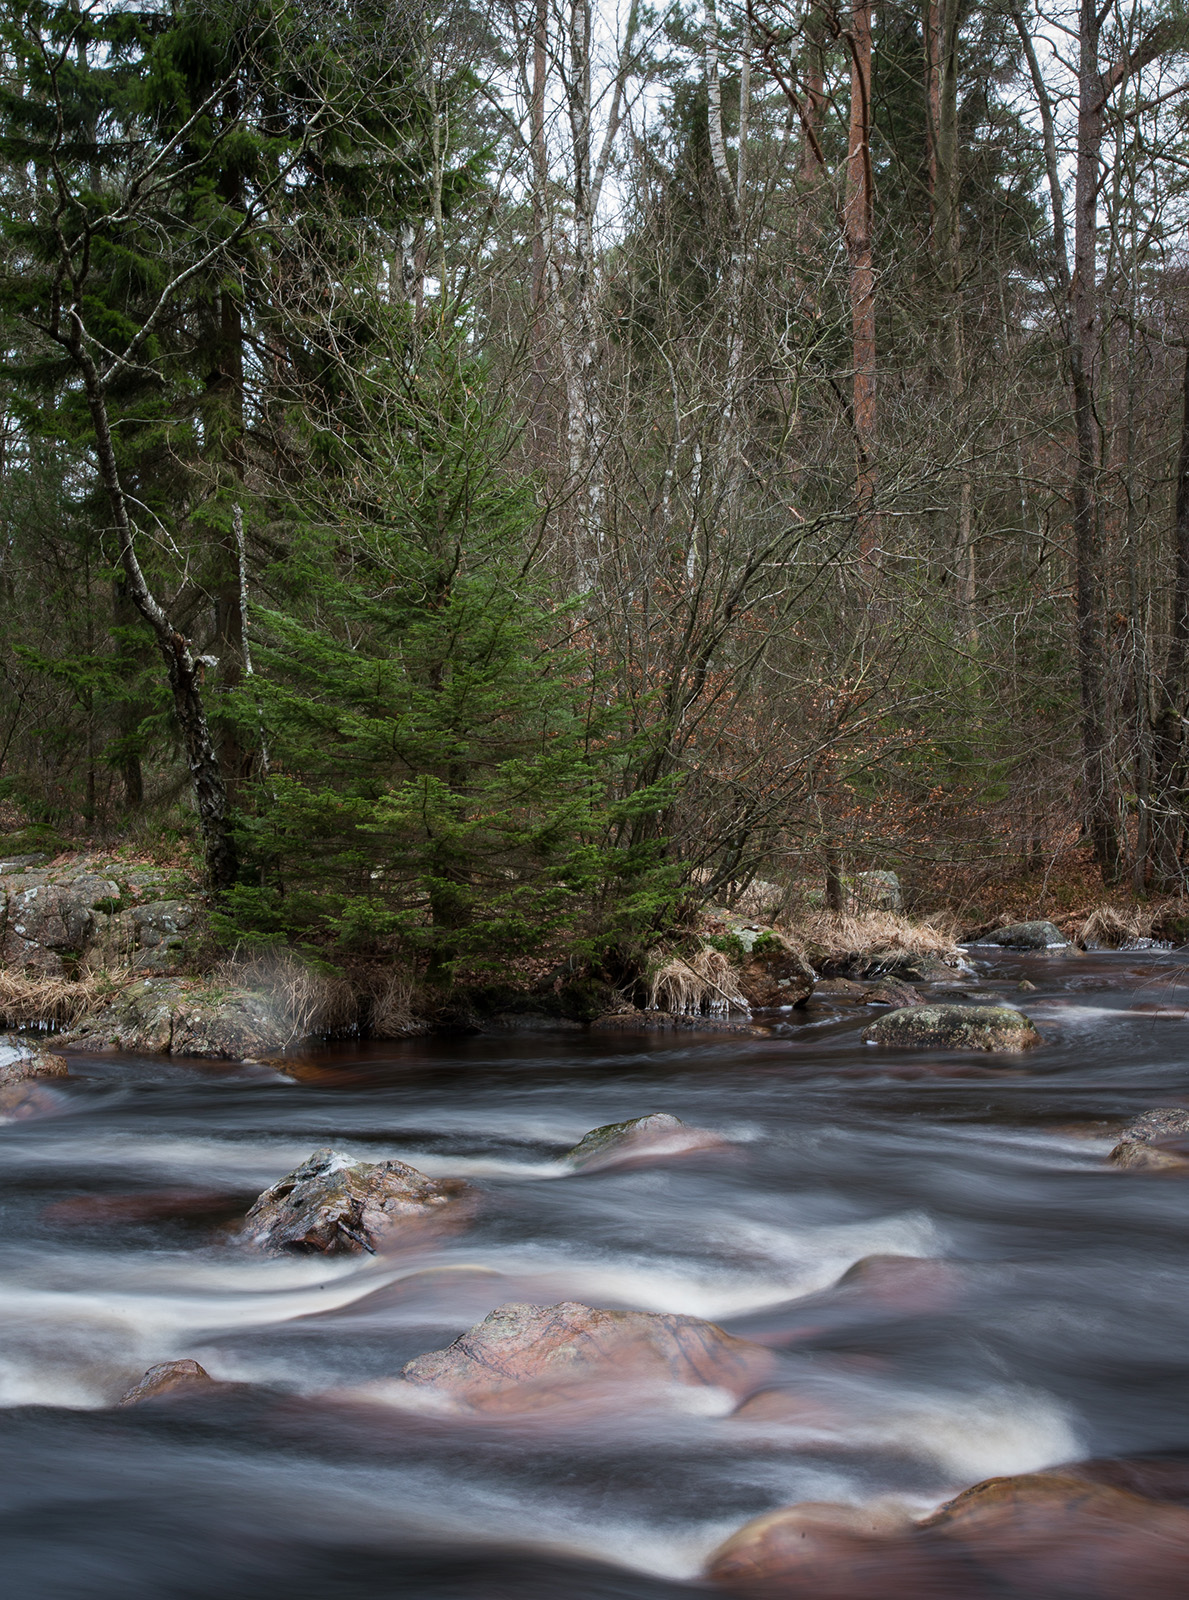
(1168, 741)
(1083, 334)
(184, 671)
(857, 223)
(225, 418)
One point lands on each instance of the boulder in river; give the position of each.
(334, 1204)
(828, 1551)
(168, 1377)
(524, 1356)
(957, 1027)
(657, 1135)
(1026, 936)
(1157, 1141)
(21, 1060)
(1061, 1534)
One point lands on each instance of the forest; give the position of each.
(484, 475)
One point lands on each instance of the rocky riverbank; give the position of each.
(119, 955)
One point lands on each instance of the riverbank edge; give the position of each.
(110, 956)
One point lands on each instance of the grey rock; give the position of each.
(333, 1204)
(656, 1135)
(873, 891)
(944, 1027)
(172, 1017)
(1027, 936)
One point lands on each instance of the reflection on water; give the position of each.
(1053, 1327)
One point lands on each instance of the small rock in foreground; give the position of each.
(657, 1135)
(334, 1205)
(830, 1552)
(523, 1356)
(994, 1028)
(1026, 936)
(1056, 1533)
(168, 1377)
(20, 1060)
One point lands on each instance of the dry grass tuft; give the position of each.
(392, 1006)
(39, 1002)
(705, 983)
(1112, 927)
(832, 935)
(307, 1002)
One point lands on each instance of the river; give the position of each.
(1056, 1328)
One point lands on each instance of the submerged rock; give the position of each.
(993, 1028)
(334, 1204)
(168, 1377)
(1026, 936)
(524, 1356)
(775, 973)
(820, 1549)
(657, 1135)
(21, 1060)
(21, 1102)
(892, 992)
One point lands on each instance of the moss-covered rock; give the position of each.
(990, 1028)
(1026, 936)
(176, 1017)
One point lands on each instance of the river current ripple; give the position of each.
(1058, 1330)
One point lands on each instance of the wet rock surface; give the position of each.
(168, 1378)
(333, 1204)
(640, 1138)
(1157, 1141)
(954, 1027)
(22, 1060)
(524, 1356)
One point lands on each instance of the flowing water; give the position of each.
(1056, 1328)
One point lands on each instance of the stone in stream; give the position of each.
(20, 1060)
(1157, 1141)
(1026, 936)
(825, 1551)
(1062, 1534)
(657, 1135)
(994, 1028)
(334, 1204)
(168, 1377)
(521, 1357)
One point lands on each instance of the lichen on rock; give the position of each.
(334, 1204)
(956, 1027)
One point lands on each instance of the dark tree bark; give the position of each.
(1168, 732)
(183, 669)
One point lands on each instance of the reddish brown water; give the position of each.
(1057, 1331)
